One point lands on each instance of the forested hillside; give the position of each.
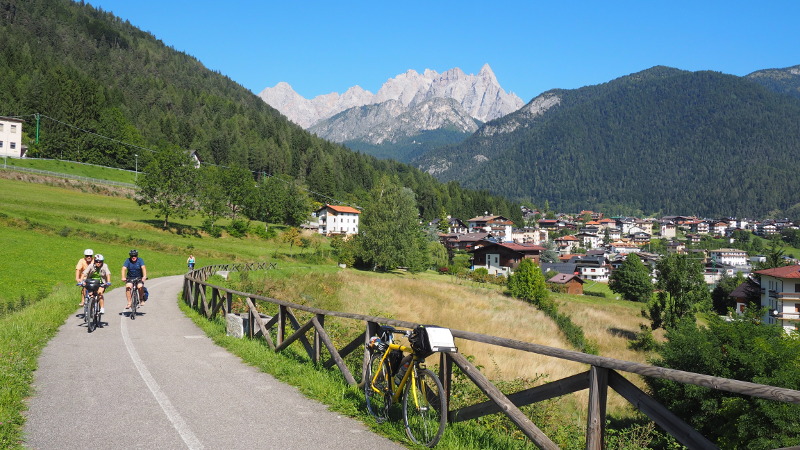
(659, 141)
(786, 81)
(94, 76)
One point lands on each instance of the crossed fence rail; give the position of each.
(603, 371)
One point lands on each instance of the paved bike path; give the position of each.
(159, 382)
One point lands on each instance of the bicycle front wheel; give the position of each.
(424, 408)
(377, 387)
(92, 324)
(134, 301)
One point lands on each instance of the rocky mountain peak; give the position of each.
(480, 95)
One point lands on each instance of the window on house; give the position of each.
(13, 128)
(13, 145)
(1, 126)
(1, 144)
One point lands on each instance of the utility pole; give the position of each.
(37, 128)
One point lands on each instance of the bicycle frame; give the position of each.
(409, 376)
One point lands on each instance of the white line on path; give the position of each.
(178, 423)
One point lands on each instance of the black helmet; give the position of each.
(134, 253)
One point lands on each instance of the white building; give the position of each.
(780, 294)
(338, 220)
(729, 256)
(11, 137)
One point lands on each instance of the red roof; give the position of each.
(782, 272)
(343, 209)
(564, 278)
(522, 247)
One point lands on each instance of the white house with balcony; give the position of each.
(11, 137)
(780, 294)
(729, 256)
(337, 220)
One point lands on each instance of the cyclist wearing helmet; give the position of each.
(134, 268)
(98, 270)
(83, 263)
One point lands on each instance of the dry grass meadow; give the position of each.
(464, 305)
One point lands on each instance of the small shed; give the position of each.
(573, 282)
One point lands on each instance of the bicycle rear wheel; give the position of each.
(424, 408)
(92, 322)
(134, 302)
(377, 387)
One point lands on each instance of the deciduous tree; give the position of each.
(389, 230)
(682, 291)
(632, 280)
(167, 185)
(528, 283)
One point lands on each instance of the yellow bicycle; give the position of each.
(387, 378)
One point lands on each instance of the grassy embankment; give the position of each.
(46, 227)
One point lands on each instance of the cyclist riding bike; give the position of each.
(134, 269)
(99, 271)
(83, 263)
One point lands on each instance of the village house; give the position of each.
(719, 228)
(454, 225)
(766, 228)
(624, 247)
(529, 236)
(573, 283)
(592, 268)
(499, 226)
(668, 230)
(566, 244)
(780, 294)
(589, 240)
(677, 247)
(729, 256)
(641, 238)
(11, 137)
(337, 220)
(466, 241)
(503, 258)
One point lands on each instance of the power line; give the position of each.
(255, 173)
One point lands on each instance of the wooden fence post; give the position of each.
(317, 339)
(598, 395)
(281, 324)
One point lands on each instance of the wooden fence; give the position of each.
(603, 372)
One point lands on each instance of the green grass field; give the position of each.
(72, 168)
(46, 227)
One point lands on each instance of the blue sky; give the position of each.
(322, 46)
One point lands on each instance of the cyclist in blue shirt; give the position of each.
(134, 268)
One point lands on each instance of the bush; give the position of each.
(212, 229)
(238, 228)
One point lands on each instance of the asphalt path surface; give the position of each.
(159, 382)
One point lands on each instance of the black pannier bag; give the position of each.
(427, 339)
(394, 358)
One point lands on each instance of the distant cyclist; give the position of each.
(99, 271)
(83, 263)
(190, 262)
(134, 268)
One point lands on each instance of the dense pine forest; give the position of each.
(659, 141)
(108, 93)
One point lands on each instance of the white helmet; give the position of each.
(98, 257)
(88, 252)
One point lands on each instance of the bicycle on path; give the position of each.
(91, 304)
(388, 381)
(135, 300)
